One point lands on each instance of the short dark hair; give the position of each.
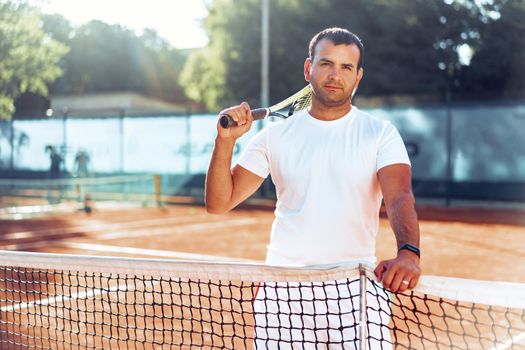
(338, 36)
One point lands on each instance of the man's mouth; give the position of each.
(332, 87)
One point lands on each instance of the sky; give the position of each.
(178, 21)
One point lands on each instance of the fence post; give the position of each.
(65, 115)
(121, 115)
(12, 143)
(449, 152)
(188, 141)
(156, 185)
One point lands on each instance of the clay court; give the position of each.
(474, 243)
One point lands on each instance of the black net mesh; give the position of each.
(51, 309)
(420, 321)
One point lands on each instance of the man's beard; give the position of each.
(331, 100)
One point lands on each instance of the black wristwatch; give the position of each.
(412, 248)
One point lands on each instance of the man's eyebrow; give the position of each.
(349, 65)
(323, 59)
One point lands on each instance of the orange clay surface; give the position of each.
(465, 243)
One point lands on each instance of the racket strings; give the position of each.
(300, 104)
(303, 100)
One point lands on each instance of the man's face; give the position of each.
(333, 72)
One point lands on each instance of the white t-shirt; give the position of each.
(325, 175)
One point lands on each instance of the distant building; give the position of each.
(111, 104)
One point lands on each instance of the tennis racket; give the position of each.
(300, 100)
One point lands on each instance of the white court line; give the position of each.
(26, 212)
(119, 227)
(190, 228)
(26, 246)
(178, 229)
(509, 343)
(63, 298)
(101, 227)
(150, 252)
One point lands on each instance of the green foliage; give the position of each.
(107, 57)
(411, 46)
(28, 57)
(203, 78)
(498, 66)
(227, 72)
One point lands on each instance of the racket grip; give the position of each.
(227, 122)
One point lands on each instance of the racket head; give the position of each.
(302, 103)
(295, 103)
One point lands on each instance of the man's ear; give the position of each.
(360, 73)
(307, 65)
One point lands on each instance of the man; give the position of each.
(55, 162)
(331, 165)
(82, 163)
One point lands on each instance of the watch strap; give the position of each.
(412, 248)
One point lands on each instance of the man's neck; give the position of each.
(322, 112)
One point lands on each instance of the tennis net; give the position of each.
(83, 191)
(50, 301)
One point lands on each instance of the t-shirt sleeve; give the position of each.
(391, 148)
(254, 157)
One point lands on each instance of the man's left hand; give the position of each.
(399, 274)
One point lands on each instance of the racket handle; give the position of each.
(227, 122)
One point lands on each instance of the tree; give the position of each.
(497, 69)
(28, 57)
(107, 57)
(214, 74)
(412, 46)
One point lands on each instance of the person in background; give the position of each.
(55, 167)
(55, 189)
(82, 163)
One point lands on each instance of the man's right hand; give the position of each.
(226, 187)
(242, 115)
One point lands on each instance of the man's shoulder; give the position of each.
(279, 125)
(368, 117)
(372, 124)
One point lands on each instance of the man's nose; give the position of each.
(334, 74)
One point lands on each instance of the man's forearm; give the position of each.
(403, 219)
(219, 182)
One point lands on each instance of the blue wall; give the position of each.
(487, 145)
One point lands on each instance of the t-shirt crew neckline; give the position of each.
(326, 123)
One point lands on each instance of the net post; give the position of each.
(362, 307)
(156, 185)
(78, 193)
